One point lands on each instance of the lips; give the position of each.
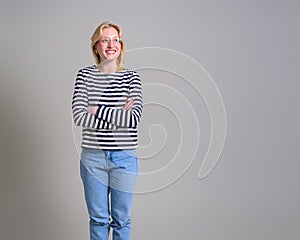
(110, 51)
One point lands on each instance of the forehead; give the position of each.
(109, 31)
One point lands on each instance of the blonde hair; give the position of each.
(96, 37)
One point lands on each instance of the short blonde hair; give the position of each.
(96, 37)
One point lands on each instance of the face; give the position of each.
(109, 45)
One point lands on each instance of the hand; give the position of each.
(128, 105)
(92, 109)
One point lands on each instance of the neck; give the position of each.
(108, 66)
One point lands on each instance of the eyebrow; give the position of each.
(117, 36)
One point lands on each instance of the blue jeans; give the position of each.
(108, 178)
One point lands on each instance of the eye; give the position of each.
(118, 40)
(105, 40)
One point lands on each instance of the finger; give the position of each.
(126, 107)
(92, 109)
(130, 101)
(129, 104)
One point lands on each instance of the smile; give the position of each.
(110, 51)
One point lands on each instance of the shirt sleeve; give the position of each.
(79, 107)
(125, 118)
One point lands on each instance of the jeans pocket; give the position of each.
(93, 158)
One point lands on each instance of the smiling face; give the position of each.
(109, 45)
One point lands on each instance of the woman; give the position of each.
(107, 104)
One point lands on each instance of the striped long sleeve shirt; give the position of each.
(111, 128)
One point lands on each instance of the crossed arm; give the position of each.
(105, 117)
(128, 106)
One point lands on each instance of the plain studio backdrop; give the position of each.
(251, 51)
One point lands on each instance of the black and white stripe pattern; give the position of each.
(111, 128)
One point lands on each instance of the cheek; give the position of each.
(100, 49)
(119, 49)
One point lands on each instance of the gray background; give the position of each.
(250, 48)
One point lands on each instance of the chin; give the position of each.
(114, 57)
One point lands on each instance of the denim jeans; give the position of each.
(108, 178)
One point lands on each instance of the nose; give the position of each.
(110, 43)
